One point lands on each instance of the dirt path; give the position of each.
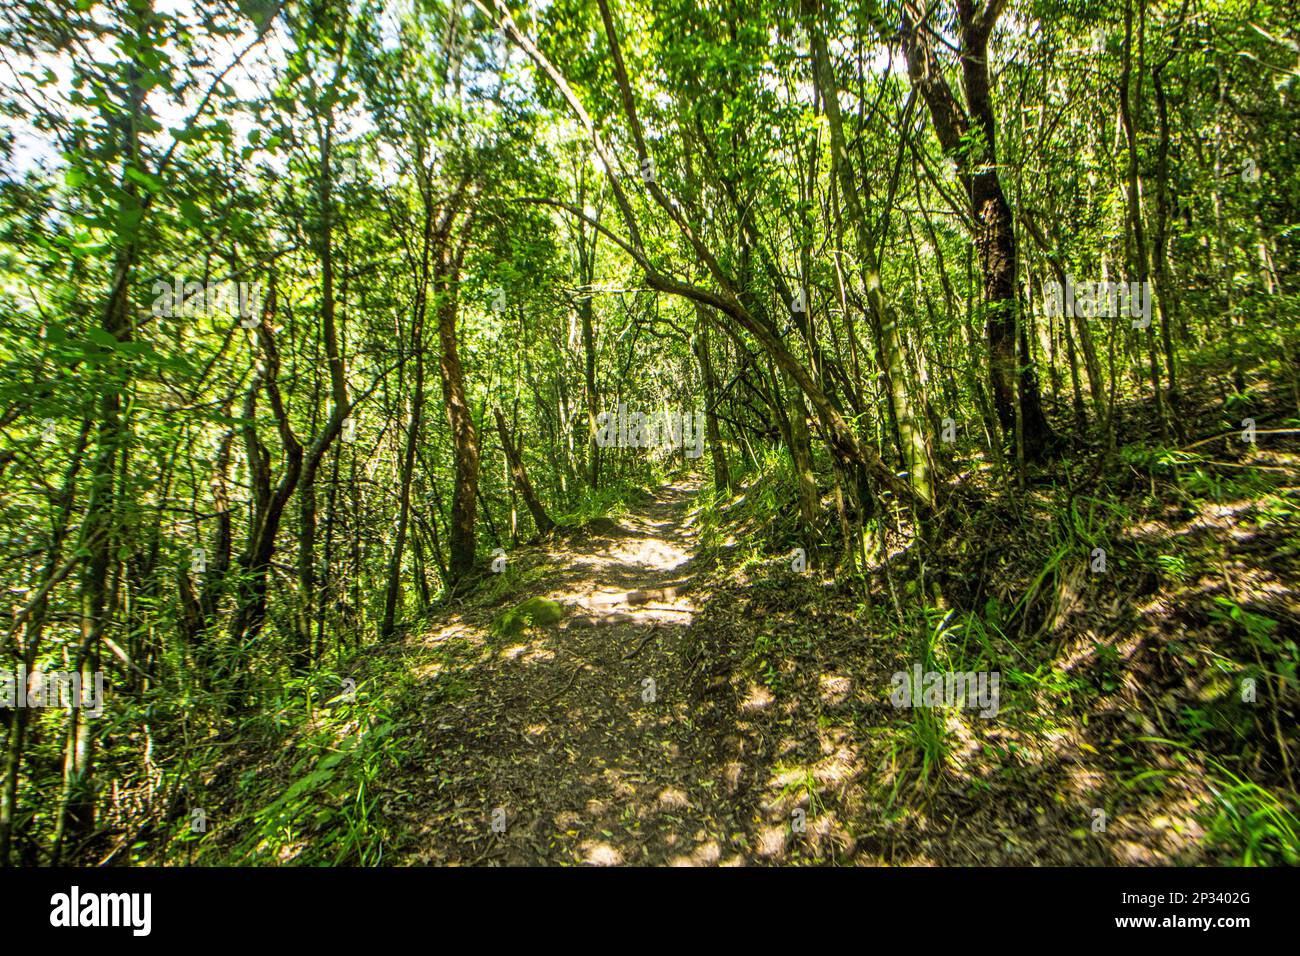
(577, 739)
(749, 720)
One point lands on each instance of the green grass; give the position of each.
(1252, 824)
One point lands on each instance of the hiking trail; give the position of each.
(581, 731)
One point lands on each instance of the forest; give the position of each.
(604, 432)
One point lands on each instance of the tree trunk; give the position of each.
(464, 436)
(718, 454)
(969, 140)
(540, 518)
(393, 589)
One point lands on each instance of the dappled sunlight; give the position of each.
(834, 688)
(454, 628)
(429, 670)
(671, 798)
(771, 842)
(840, 766)
(759, 698)
(964, 746)
(706, 854)
(533, 652)
(1212, 517)
(600, 854)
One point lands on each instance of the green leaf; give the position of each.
(147, 180)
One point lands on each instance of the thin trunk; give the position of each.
(393, 589)
(520, 476)
(718, 455)
(1130, 102)
(464, 436)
